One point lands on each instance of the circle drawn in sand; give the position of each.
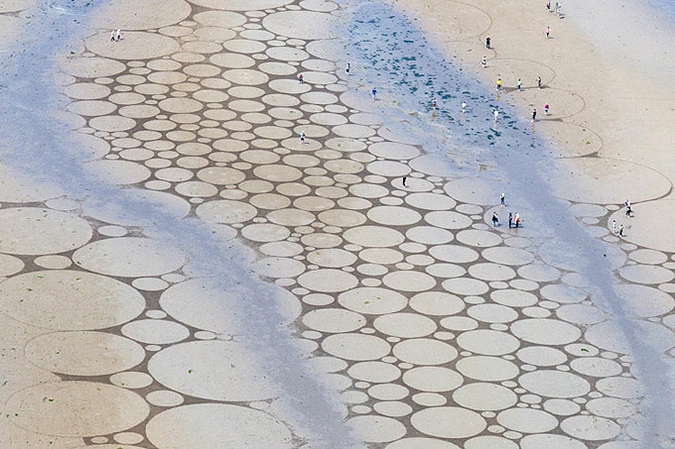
(132, 15)
(648, 227)
(84, 353)
(129, 257)
(134, 45)
(606, 181)
(69, 300)
(301, 24)
(212, 424)
(34, 231)
(190, 368)
(76, 409)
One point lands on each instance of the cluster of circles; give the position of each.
(423, 313)
(97, 325)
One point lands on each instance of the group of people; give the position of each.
(558, 9)
(116, 35)
(519, 85)
(628, 211)
(534, 112)
(514, 219)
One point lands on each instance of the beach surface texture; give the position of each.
(312, 224)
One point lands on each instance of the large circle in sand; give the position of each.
(69, 300)
(134, 45)
(606, 181)
(84, 353)
(650, 226)
(35, 231)
(301, 24)
(129, 256)
(466, 21)
(192, 368)
(241, 5)
(207, 426)
(474, 190)
(76, 409)
(145, 15)
(22, 189)
(206, 305)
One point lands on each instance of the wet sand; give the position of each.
(406, 319)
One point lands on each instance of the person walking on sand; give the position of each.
(404, 180)
(546, 109)
(499, 84)
(502, 197)
(621, 230)
(374, 93)
(484, 62)
(301, 78)
(434, 103)
(548, 6)
(463, 107)
(302, 138)
(496, 114)
(534, 115)
(539, 82)
(495, 219)
(548, 32)
(118, 35)
(516, 218)
(349, 68)
(613, 226)
(510, 220)
(520, 84)
(487, 42)
(112, 36)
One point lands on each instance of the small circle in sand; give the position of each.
(484, 396)
(589, 427)
(448, 422)
(488, 342)
(156, 332)
(358, 347)
(373, 300)
(376, 429)
(555, 384)
(488, 369)
(131, 379)
(527, 420)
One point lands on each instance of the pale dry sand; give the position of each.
(605, 75)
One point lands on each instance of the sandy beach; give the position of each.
(181, 269)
